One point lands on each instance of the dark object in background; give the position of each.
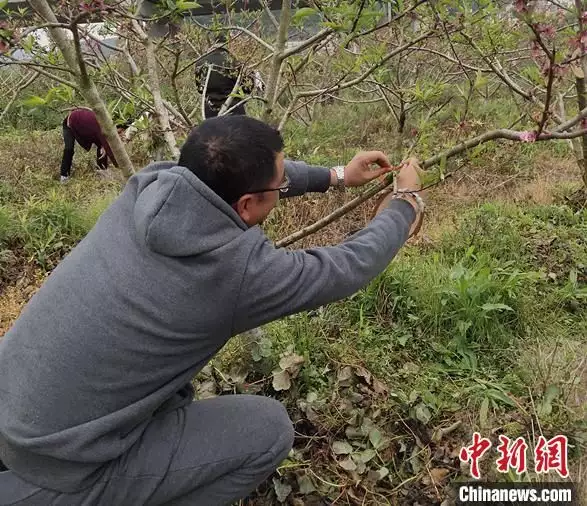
(224, 74)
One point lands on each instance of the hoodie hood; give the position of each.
(176, 214)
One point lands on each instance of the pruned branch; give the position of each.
(460, 148)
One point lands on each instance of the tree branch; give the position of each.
(307, 43)
(24, 83)
(475, 141)
(368, 72)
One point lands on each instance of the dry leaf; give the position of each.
(347, 464)
(292, 364)
(281, 380)
(363, 373)
(436, 475)
(344, 375)
(341, 448)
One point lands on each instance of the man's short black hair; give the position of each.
(232, 155)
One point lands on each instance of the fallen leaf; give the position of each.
(281, 380)
(354, 432)
(423, 413)
(348, 464)
(365, 456)
(292, 364)
(341, 448)
(306, 485)
(438, 474)
(282, 489)
(375, 438)
(344, 375)
(363, 373)
(379, 387)
(238, 374)
(206, 389)
(375, 476)
(361, 467)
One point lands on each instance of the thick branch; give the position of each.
(161, 116)
(370, 192)
(277, 60)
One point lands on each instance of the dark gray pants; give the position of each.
(211, 452)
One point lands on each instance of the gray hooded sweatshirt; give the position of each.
(167, 275)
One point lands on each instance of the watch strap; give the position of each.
(339, 169)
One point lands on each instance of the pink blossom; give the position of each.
(521, 6)
(574, 42)
(559, 70)
(547, 30)
(92, 6)
(584, 16)
(527, 136)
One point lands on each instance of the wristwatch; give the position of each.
(339, 169)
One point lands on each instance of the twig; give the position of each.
(24, 83)
(204, 92)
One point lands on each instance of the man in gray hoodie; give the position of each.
(96, 402)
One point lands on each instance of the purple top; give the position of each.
(87, 131)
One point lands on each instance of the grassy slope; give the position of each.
(480, 324)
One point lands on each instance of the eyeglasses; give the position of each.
(283, 188)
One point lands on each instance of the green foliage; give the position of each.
(60, 93)
(447, 326)
(8, 226)
(50, 227)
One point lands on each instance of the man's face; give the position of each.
(253, 208)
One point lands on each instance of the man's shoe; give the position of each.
(64, 179)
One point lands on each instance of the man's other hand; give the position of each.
(407, 179)
(359, 171)
(409, 175)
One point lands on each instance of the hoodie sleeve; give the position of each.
(278, 282)
(306, 178)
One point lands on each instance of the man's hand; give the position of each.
(409, 175)
(359, 171)
(407, 179)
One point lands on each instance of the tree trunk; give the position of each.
(161, 116)
(580, 87)
(276, 62)
(87, 87)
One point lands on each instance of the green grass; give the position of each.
(474, 328)
(485, 325)
(47, 227)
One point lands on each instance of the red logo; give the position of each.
(474, 452)
(513, 455)
(552, 455)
